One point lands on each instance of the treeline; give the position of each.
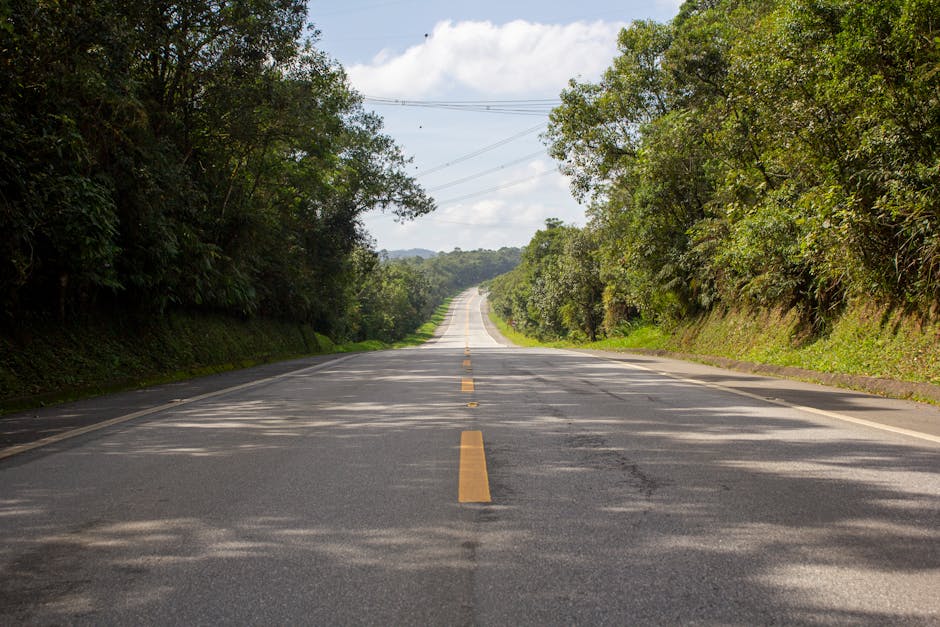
(556, 290)
(198, 154)
(395, 296)
(760, 153)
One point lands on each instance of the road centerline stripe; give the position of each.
(473, 481)
(466, 384)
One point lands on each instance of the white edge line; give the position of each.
(450, 316)
(812, 410)
(66, 435)
(483, 316)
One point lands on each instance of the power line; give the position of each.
(487, 224)
(485, 172)
(480, 151)
(359, 9)
(484, 192)
(437, 219)
(535, 107)
(403, 101)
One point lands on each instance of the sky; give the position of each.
(465, 89)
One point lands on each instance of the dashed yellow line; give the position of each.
(473, 482)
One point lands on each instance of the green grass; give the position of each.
(423, 333)
(426, 331)
(44, 363)
(866, 340)
(640, 335)
(517, 338)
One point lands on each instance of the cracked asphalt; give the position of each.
(625, 490)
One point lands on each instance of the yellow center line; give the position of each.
(466, 364)
(466, 384)
(473, 482)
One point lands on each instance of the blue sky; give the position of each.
(421, 50)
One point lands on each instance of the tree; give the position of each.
(198, 154)
(770, 154)
(556, 290)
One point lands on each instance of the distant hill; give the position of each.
(424, 253)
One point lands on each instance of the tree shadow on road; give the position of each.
(618, 498)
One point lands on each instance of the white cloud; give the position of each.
(519, 57)
(483, 223)
(670, 5)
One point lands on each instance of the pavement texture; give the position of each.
(28, 426)
(626, 489)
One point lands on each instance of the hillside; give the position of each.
(423, 253)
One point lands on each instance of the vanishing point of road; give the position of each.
(470, 482)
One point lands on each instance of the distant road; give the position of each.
(470, 482)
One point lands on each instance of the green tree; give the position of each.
(772, 154)
(197, 154)
(556, 289)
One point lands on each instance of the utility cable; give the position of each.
(484, 192)
(485, 149)
(536, 107)
(465, 179)
(440, 220)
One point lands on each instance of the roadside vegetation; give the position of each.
(401, 302)
(196, 155)
(864, 342)
(181, 190)
(762, 184)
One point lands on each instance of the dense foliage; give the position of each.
(771, 153)
(394, 296)
(197, 154)
(556, 289)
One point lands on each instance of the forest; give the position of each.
(747, 154)
(395, 296)
(200, 156)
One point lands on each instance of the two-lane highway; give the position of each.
(469, 482)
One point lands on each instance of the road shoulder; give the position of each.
(896, 413)
(24, 428)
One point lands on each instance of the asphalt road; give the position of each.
(624, 490)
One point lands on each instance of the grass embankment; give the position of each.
(640, 335)
(45, 362)
(865, 341)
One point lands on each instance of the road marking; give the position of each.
(66, 435)
(473, 404)
(466, 384)
(466, 364)
(782, 403)
(473, 482)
